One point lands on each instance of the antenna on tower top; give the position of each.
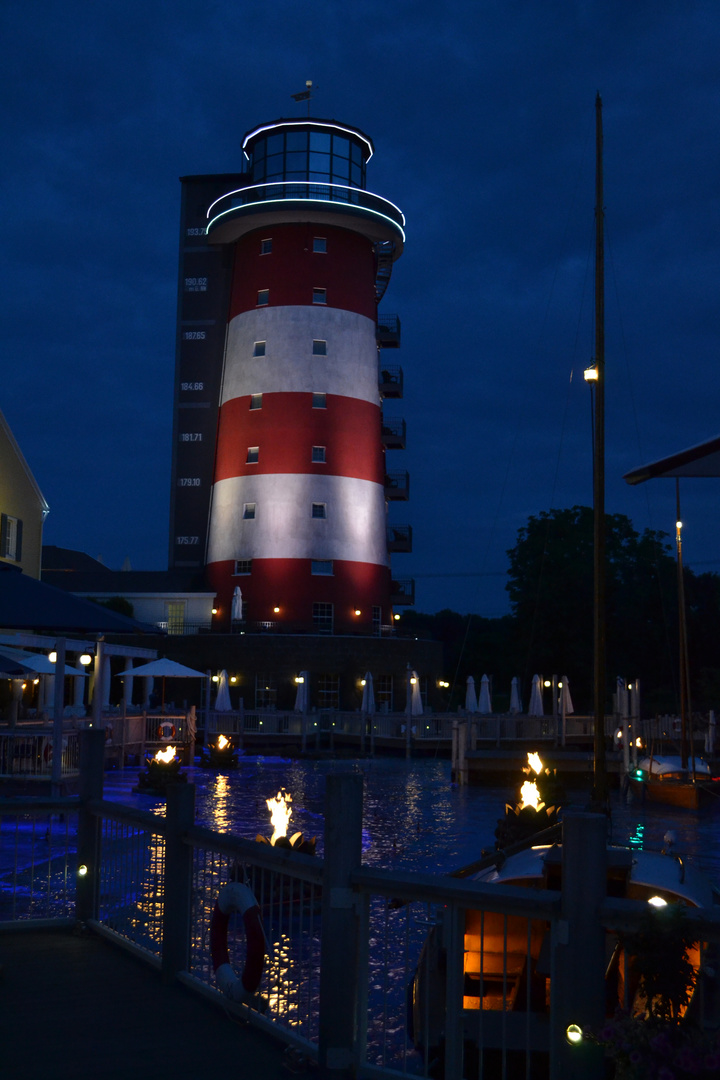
(305, 94)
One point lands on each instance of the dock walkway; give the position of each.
(74, 1007)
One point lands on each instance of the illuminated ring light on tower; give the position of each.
(298, 503)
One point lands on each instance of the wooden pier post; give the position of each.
(341, 1035)
(92, 759)
(578, 979)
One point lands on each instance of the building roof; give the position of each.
(77, 572)
(700, 460)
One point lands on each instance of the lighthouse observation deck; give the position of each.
(306, 170)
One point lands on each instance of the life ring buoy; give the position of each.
(166, 730)
(237, 897)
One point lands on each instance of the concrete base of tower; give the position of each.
(303, 596)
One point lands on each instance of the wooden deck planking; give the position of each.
(74, 1007)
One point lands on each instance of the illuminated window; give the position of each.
(319, 348)
(249, 511)
(263, 297)
(319, 401)
(319, 296)
(253, 455)
(320, 244)
(321, 567)
(319, 510)
(318, 454)
(265, 247)
(259, 348)
(243, 566)
(256, 401)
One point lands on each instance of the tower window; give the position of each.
(320, 245)
(256, 401)
(319, 347)
(321, 567)
(319, 401)
(319, 296)
(253, 455)
(249, 511)
(259, 348)
(319, 510)
(264, 297)
(265, 247)
(243, 566)
(318, 454)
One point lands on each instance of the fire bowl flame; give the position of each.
(538, 808)
(161, 770)
(222, 754)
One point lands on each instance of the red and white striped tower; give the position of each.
(298, 504)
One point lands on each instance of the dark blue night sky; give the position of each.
(482, 114)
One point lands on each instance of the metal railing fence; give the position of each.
(28, 752)
(344, 941)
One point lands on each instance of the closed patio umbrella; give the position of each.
(515, 702)
(236, 610)
(471, 704)
(222, 700)
(368, 697)
(416, 705)
(302, 695)
(566, 704)
(485, 704)
(536, 702)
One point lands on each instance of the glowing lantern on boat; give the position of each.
(280, 814)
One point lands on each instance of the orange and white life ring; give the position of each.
(166, 730)
(237, 897)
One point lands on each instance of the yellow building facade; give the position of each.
(22, 507)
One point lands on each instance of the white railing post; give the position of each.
(578, 963)
(340, 946)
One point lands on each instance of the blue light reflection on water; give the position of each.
(414, 818)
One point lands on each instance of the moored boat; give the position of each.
(664, 779)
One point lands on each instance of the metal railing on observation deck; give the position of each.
(304, 191)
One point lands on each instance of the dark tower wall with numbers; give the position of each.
(205, 276)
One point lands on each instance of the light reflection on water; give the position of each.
(414, 818)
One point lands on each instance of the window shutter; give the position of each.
(3, 535)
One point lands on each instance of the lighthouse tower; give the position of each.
(296, 496)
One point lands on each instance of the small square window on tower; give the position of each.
(318, 454)
(265, 246)
(249, 511)
(319, 401)
(320, 245)
(243, 566)
(321, 567)
(319, 347)
(256, 401)
(319, 296)
(263, 297)
(319, 510)
(259, 348)
(253, 455)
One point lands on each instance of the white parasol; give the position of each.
(302, 697)
(368, 697)
(222, 700)
(566, 704)
(163, 668)
(515, 702)
(485, 704)
(237, 605)
(470, 695)
(536, 702)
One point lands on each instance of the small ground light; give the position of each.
(573, 1034)
(82, 870)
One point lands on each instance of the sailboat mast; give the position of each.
(600, 770)
(685, 713)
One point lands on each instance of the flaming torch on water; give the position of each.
(280, 814)
(531, 814)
